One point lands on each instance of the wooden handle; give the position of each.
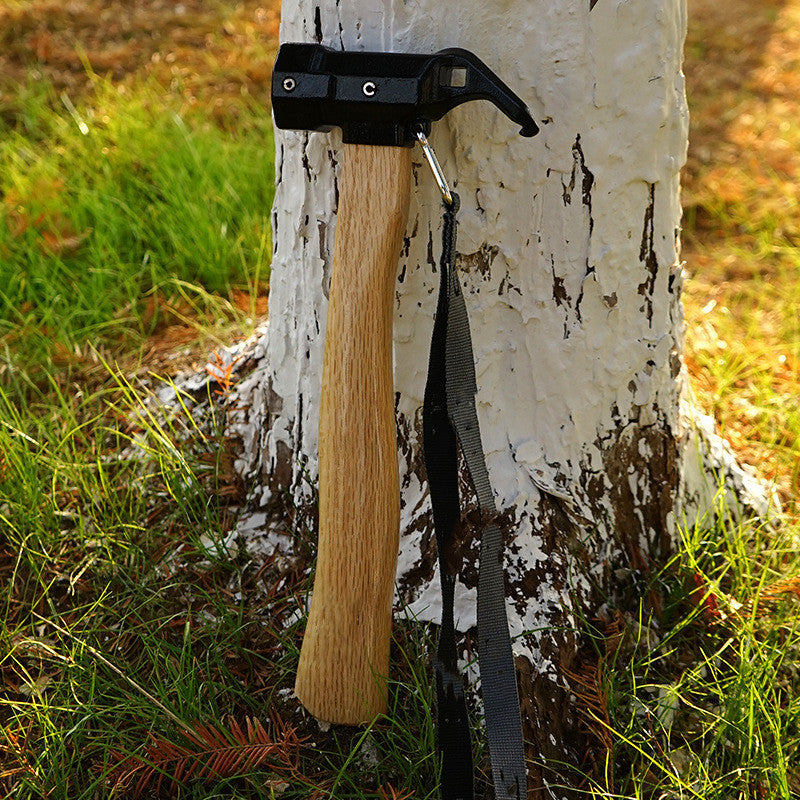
(344, 660)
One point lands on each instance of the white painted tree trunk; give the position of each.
(568, 251)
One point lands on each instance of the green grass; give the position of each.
(744, 352)
(117, 628)
(123, 216)
(702, 697)
(127, 615)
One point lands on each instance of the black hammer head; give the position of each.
(382, 98)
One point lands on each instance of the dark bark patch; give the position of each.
(423, 570)
(306, 164)
(409, 437)
(647, 256)
(642, 511)
(480, 261)
(563, 748)
(274, 401)
(610, 299)
(431, 258)
(553, 734)
(579, 301)
(580, 170)
(322, 230)
(586, 181)
(317, 25)
(299, 417)
(675, 363)
(457, 550)
(467, 551)
(276, 475)
(478, 201)
(334, 165)
(530, 582)
(409, 434)
(279, 166)
(558, 532)
(506, 286)
(559, 291)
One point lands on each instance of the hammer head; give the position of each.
(382, 98)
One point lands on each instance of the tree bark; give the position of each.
(569, 257)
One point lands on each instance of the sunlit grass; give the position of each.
(120, 217)
(742, 231)
(130, 612)
(706, 705)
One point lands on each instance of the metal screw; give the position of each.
(369, 89)
(289, 84)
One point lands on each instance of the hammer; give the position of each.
(384, 103)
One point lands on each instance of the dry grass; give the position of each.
(214, 53)
(742, 227)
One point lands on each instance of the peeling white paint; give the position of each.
(714, 480)
(567, 244)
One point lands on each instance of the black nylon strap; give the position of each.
(449, 417)
(441, 465)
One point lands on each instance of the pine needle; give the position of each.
(209, 753)
(783, 587)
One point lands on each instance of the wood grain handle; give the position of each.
(344, 659)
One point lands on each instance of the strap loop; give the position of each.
(450, 420)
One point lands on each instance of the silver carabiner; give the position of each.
(436, 168)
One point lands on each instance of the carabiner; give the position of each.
(436, 168)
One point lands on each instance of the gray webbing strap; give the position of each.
(495, 656)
